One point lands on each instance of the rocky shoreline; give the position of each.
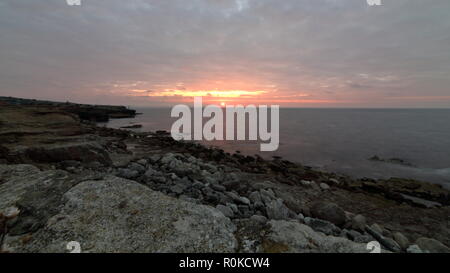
(95, 113)
(63, 179)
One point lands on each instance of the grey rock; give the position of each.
(293, 237)
(375, 227)
(401, 240)
(233, 207)
(414, 249)
(358, 222)
(432, 245)
(117, 215)
(322, 226)
(245, 200)
(358, 237)
(159, 179)
(324, 186)
(389, 243)
(150, 173)
(277, 210)
(255, 197)
(334, 181)
(306, 183)
(231, 185)
(244, 211)
(154, 158)
(238, 199)
(267, 196)
(136, 167)
(142, 162)
(228, 212)
(128, 173)
(218, 187)
(259, 219)
(178, 189)
(198, 185)
(329, 212)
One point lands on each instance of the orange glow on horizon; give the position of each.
(206, 93)
(224, 97)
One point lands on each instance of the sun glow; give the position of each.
(207, 93)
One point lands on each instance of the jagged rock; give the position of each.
(293, 237)
(117, 215)
(328, 211)
(277, 210)
(322, 226)
(432, 245)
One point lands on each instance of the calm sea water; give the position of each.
(343, 140)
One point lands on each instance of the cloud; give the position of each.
(104, 49)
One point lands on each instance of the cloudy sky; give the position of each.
(307, 53)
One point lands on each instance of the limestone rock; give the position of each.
(112, 215)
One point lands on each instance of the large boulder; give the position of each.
(328, 211)
(293, 237)
(110, 214)
(432, 245)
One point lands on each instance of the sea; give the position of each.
(408, 143)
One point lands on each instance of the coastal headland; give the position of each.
(64, 179)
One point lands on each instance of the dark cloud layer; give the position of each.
(339, 51)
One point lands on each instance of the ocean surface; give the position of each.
(343, 140)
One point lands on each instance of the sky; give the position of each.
(293, 53)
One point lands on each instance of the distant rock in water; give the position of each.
(95, 113)
(397, 161)
(134, 126)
